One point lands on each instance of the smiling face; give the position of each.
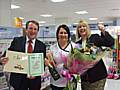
(62, 35)
(32, 30)
(82, 30)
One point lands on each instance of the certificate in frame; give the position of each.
(31, 64)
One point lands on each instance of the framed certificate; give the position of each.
(31, 64)
(35, 64)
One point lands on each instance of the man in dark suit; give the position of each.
(21, 81)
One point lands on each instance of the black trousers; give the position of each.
(56, 88)
(32, 84)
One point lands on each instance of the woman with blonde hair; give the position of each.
(84, 23)
(95, 77)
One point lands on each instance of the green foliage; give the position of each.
(79, 55)
(72, 85)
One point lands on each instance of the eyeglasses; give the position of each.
(31, 28)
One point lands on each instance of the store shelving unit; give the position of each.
(3, 81)
(114, 68)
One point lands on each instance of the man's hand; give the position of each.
(31, 77)
(4, 60)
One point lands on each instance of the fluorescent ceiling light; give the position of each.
(21, 18)
(75, 23)
(42, 22)
(58, 0)
(81, 12)
(101, 22)
(46, 15)
(14, 6)
(40, 25)
(93, 18)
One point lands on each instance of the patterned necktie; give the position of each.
(30, 48)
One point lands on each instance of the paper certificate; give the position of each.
(36, 64)
(17, 62)
(31, 64)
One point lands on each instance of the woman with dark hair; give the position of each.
(62, 47)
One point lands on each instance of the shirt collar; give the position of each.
(33, 40)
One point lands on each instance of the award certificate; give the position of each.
(18, 62)
(31, 64)
(36, 64)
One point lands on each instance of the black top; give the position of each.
(99, 71)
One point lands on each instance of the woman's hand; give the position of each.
(49, 60)
(101, 27)
(4, 60)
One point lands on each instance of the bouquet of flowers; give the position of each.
(80, 60)
(71, 80)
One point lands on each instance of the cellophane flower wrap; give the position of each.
(80, 60)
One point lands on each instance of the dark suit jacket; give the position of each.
(99, 71)
(18, 44)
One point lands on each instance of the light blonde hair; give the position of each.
(82, 22)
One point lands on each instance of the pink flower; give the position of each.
(66, 74)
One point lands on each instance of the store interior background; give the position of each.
(68, 12)
(51, 14)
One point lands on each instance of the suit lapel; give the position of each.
(23, 42)
(36, 46)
